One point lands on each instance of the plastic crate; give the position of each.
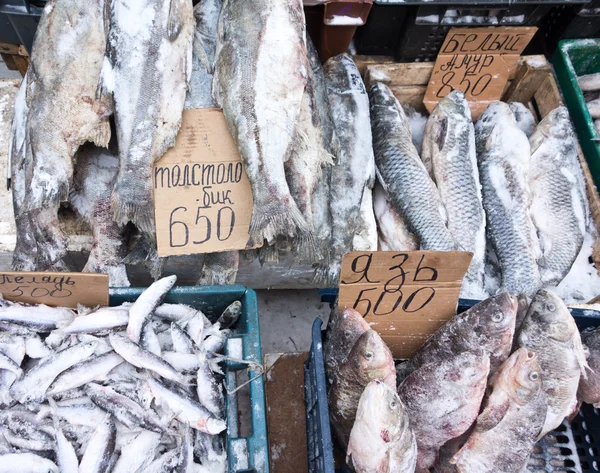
(415, 30)
(571, 59)
(568, 449)
(245, 454)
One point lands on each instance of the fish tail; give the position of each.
(140, 214)
(144, 252)
(267, 223)
(101, 135)
(307, 248)
(268, 254)
(326, 275)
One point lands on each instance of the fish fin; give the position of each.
(307, 249)
(491, 415)
(144, 252)
(101, 135)
(268, 254)
(176, 18)
(278, 218)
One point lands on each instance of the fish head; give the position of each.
(343, 75)
(381, 407)
(371, 357)
(456, 103)
(470, 368)
(496, 319)
(549, 314)
(346, 326)
(557, 124)
(519, 376)
(381, 95)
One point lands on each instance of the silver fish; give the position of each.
(14, 348)
(559, 207)
(550, 331)
(219, 268)
(140, 358)
(93, 182)
(32, 387)
(149, 340)
(65, 453)
(354, 168)
(35, 347)
(141, 310)
(182, 342)
(138, 454)
(589, 388)
(186, 410)
(71, 106)
(403, 174)
(99, 451)
(209, 390)
(93, 369)
(589, 82)
(26, 463)
(503, 156)
(394, 234)
(146, 39)
(38, 318)
(524, 118)
(261, 73)
(7, 363)
(101, 320)
(85, 414)
(449, 154)
(594, 108)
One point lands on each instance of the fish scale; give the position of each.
(404, 175)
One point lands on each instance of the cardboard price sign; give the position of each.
(477, 61)
(202, 196)
(55, 289)
(405, 296)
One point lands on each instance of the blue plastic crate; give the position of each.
(246, 454)
(569, 449)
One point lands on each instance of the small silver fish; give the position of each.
(99, 451)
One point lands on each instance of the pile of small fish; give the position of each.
(476, 397)
(590, 86)
(511, 193)
(125, 389)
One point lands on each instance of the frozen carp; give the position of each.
(261, 73)
(403, 174)
(147, 67)
(589, 388)
(93, 182)
(549, 330)
(394, 234)
(449, 155)
(513, 418)
(524, 118)
(381, 439)
(369, 359)
(503, 155)
(343, 331)
(64, 110)
(488, 326)
(443, 401)
(559, 207)
(353, 171)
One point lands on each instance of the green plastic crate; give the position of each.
(575, 57)
(246, 454)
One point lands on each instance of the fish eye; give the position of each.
(393, 404)
(347, 333)
(368, 355)
(550, 307)
(534, 376)
(497, 316)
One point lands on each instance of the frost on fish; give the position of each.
(394, 234)
(64, 110)
(147, 67)
(524, 118)
(91, 197)
(559, 207)
(261, 74)
(403, 174)
(449, 152)
(353, 171)
(365, 238)
(504, 163)
(219, 268)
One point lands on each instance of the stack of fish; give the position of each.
(525, 193)
(476, 397)
(590, 86)
(133, 388)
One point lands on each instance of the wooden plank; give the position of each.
(529, 75)
(286, 414)
(13, 49)
(413, 73)
(363, 61)
(411, 95)
(9, 61)
(547, 96)
(22, 63)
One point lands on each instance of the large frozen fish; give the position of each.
(64, 109)
(524, 118)
(589, 388)
(394, 234)
(369, 359)
(503, 156)
(559, 207)
(354, 168)
(261, 73)
(443, 401)
(403, 174)
(507, 429)
(449, 154)
(488, 326)
(91, 197)
(549, 330)
(147, 68)
(381, 439)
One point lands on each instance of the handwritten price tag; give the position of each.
(477, 61)
(405, 296)
(202, 196)
(55, 289)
